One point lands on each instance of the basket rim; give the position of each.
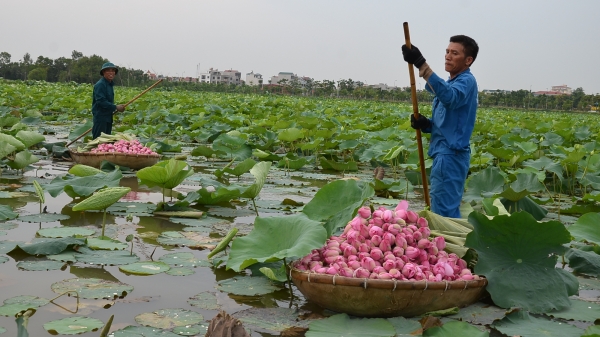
(312, 277)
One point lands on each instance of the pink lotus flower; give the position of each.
(440, 242)
(368, 263)
(377, 214)
(376, 254)
(364, 212)
(422, 222)
(376, 240)
(349, 250)
(384, 276)
(364, 248)
(417, 236)
(361, 273)
(402, 205)
(412, 252)
(346, 272)
(389, 237)
(385, 246)
(394, 229)
(401, 241)
(409, 270)
(412, 217)
(389, 264)
(387, 216)
(424, 244)
(356, 224)
(354, 264)
(375, 230)
(425, 231)
(322, 270)
(374, 276)
(379, 269)
(398, 251)
(331, 271)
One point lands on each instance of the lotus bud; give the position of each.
(364, 232)
(313, 265)
(412, 217)
(389, 256)
(461, 263)
(356, 244)
(417, 236)
(352, 235)
(467, 277)
(361, 273)
(352, 258)
(385, 276)
(399, 263)
(377, 214)
(413, 228)
(448, 269)
(356, 224)
(407, 231)
(368, 263)
(362, 255)
(425, 231)
(379, 269)
(344, 244)
(425, 266)
(346, 272)
(387, 216)
(409, 239)
(424, 244)
(389, 237)
(423, 256)
(419, 276)
(331, 271)
(385, 226)
(401, 241)
(330, 256)
(375, 240)
(440, 242)
(402, 205)
(385, 246)
(400, 221)
(349, 250)
(389, 264)
(443, 255)
(398, 251)
(364, 248)
(354, 264)
(376, 230)
(433, 250)
(322, 270)
(374, 276)
(364, 212)
(378, 221)
(306, 260)
(422, 222)
(332, 244)
(411, 252)
(465, 271)
(346, 229)
(301, 267)
(394, 229)
(405, 258)
(376, 254)
(409, 270)
(369, 243)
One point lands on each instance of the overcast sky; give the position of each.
(523, 43)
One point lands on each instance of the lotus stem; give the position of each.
(255, 209)
(103, 222)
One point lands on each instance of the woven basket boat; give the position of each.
(133, 161)
(385, 298)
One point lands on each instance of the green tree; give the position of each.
(38, 74)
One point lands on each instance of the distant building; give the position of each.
(547, 93)
(382, 86)
(563, 89)
(497, 91)
(214, 76)
(283, 76)
(254, 78)
(151, 75)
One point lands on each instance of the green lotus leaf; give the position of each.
(338, 166)
(8, 225)
(143, 331)
(2, 330)
(102, 199)
(83, 186)
(584, 262)
(206, 151)
(273, 319)
(180, 271)
(133, 208)
(81, 170)
(260, 172)
(63, 232)
(107, 257)
(29, 138)
(579, 310)
(166, 174)
(145, 268)
(80, 130)
(234, 147)
(6, 213)
(14, 305)
(23, 159)
(40, 265)
(292, 164)
(343, 325)
(514, 250)
(337, 203)
(169, 318)
(205, 300)
(290, 135)
(49, 246)
(187, 239)
(525, 204)
(586, 228)
(524, 185)
(240, 168)
(546, 164)
(455, 328)
(92, 288)
(405, 327)
(248, 285)
(592, 331)
(105, 244)
(10, 140)
(73, 325)
(43, 217)
(297, 236)
(479, 313)
(484, 184)
(520, 323)
(183, 259)
(6, 149)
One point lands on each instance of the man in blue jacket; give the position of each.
(452, 122)
(103, 101)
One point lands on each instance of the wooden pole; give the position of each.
(125, 105)
(413, 91)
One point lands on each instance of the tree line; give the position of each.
(84, 69)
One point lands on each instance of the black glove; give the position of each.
(413, 55)
(419, 123)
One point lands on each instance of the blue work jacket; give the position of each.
(454, 111)
(103, 99)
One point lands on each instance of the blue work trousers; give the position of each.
(448, 176)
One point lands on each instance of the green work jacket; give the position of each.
(103, 99)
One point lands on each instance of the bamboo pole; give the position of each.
(413, 91)
(125, 105)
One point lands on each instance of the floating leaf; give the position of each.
(586, 228)
(133, 208)
(49, 246)
(93, 288)
(73, 325)
(273, 319)
(479, 313)
(205, 300)
(145, 268)
(455, 328)
(297, 236)
(579, 310)
(63, 232)
(343, 325)
(248, 285)
(406, 327)
(16, 304)
(337, 203)
(43, 217)
(107, 257)
(105, 244)
(6, 213)
(584, 262)
(187, 239)
(180, 271)
(83, 186)
(40, 265)
(484, 184)
(169, 318)
(520, 323)
(143, 331)
(512, 251)
(183, 259)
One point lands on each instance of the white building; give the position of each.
(283, 76)
(214, 76)
(381, 86)
(563, 89)
(254, 78)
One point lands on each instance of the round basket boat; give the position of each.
(385, 298)
(133, 161)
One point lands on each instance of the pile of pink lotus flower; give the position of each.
(124, 146)
(387, 244)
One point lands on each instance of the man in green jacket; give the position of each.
(103, 101)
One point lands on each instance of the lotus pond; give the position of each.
(238, 161)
